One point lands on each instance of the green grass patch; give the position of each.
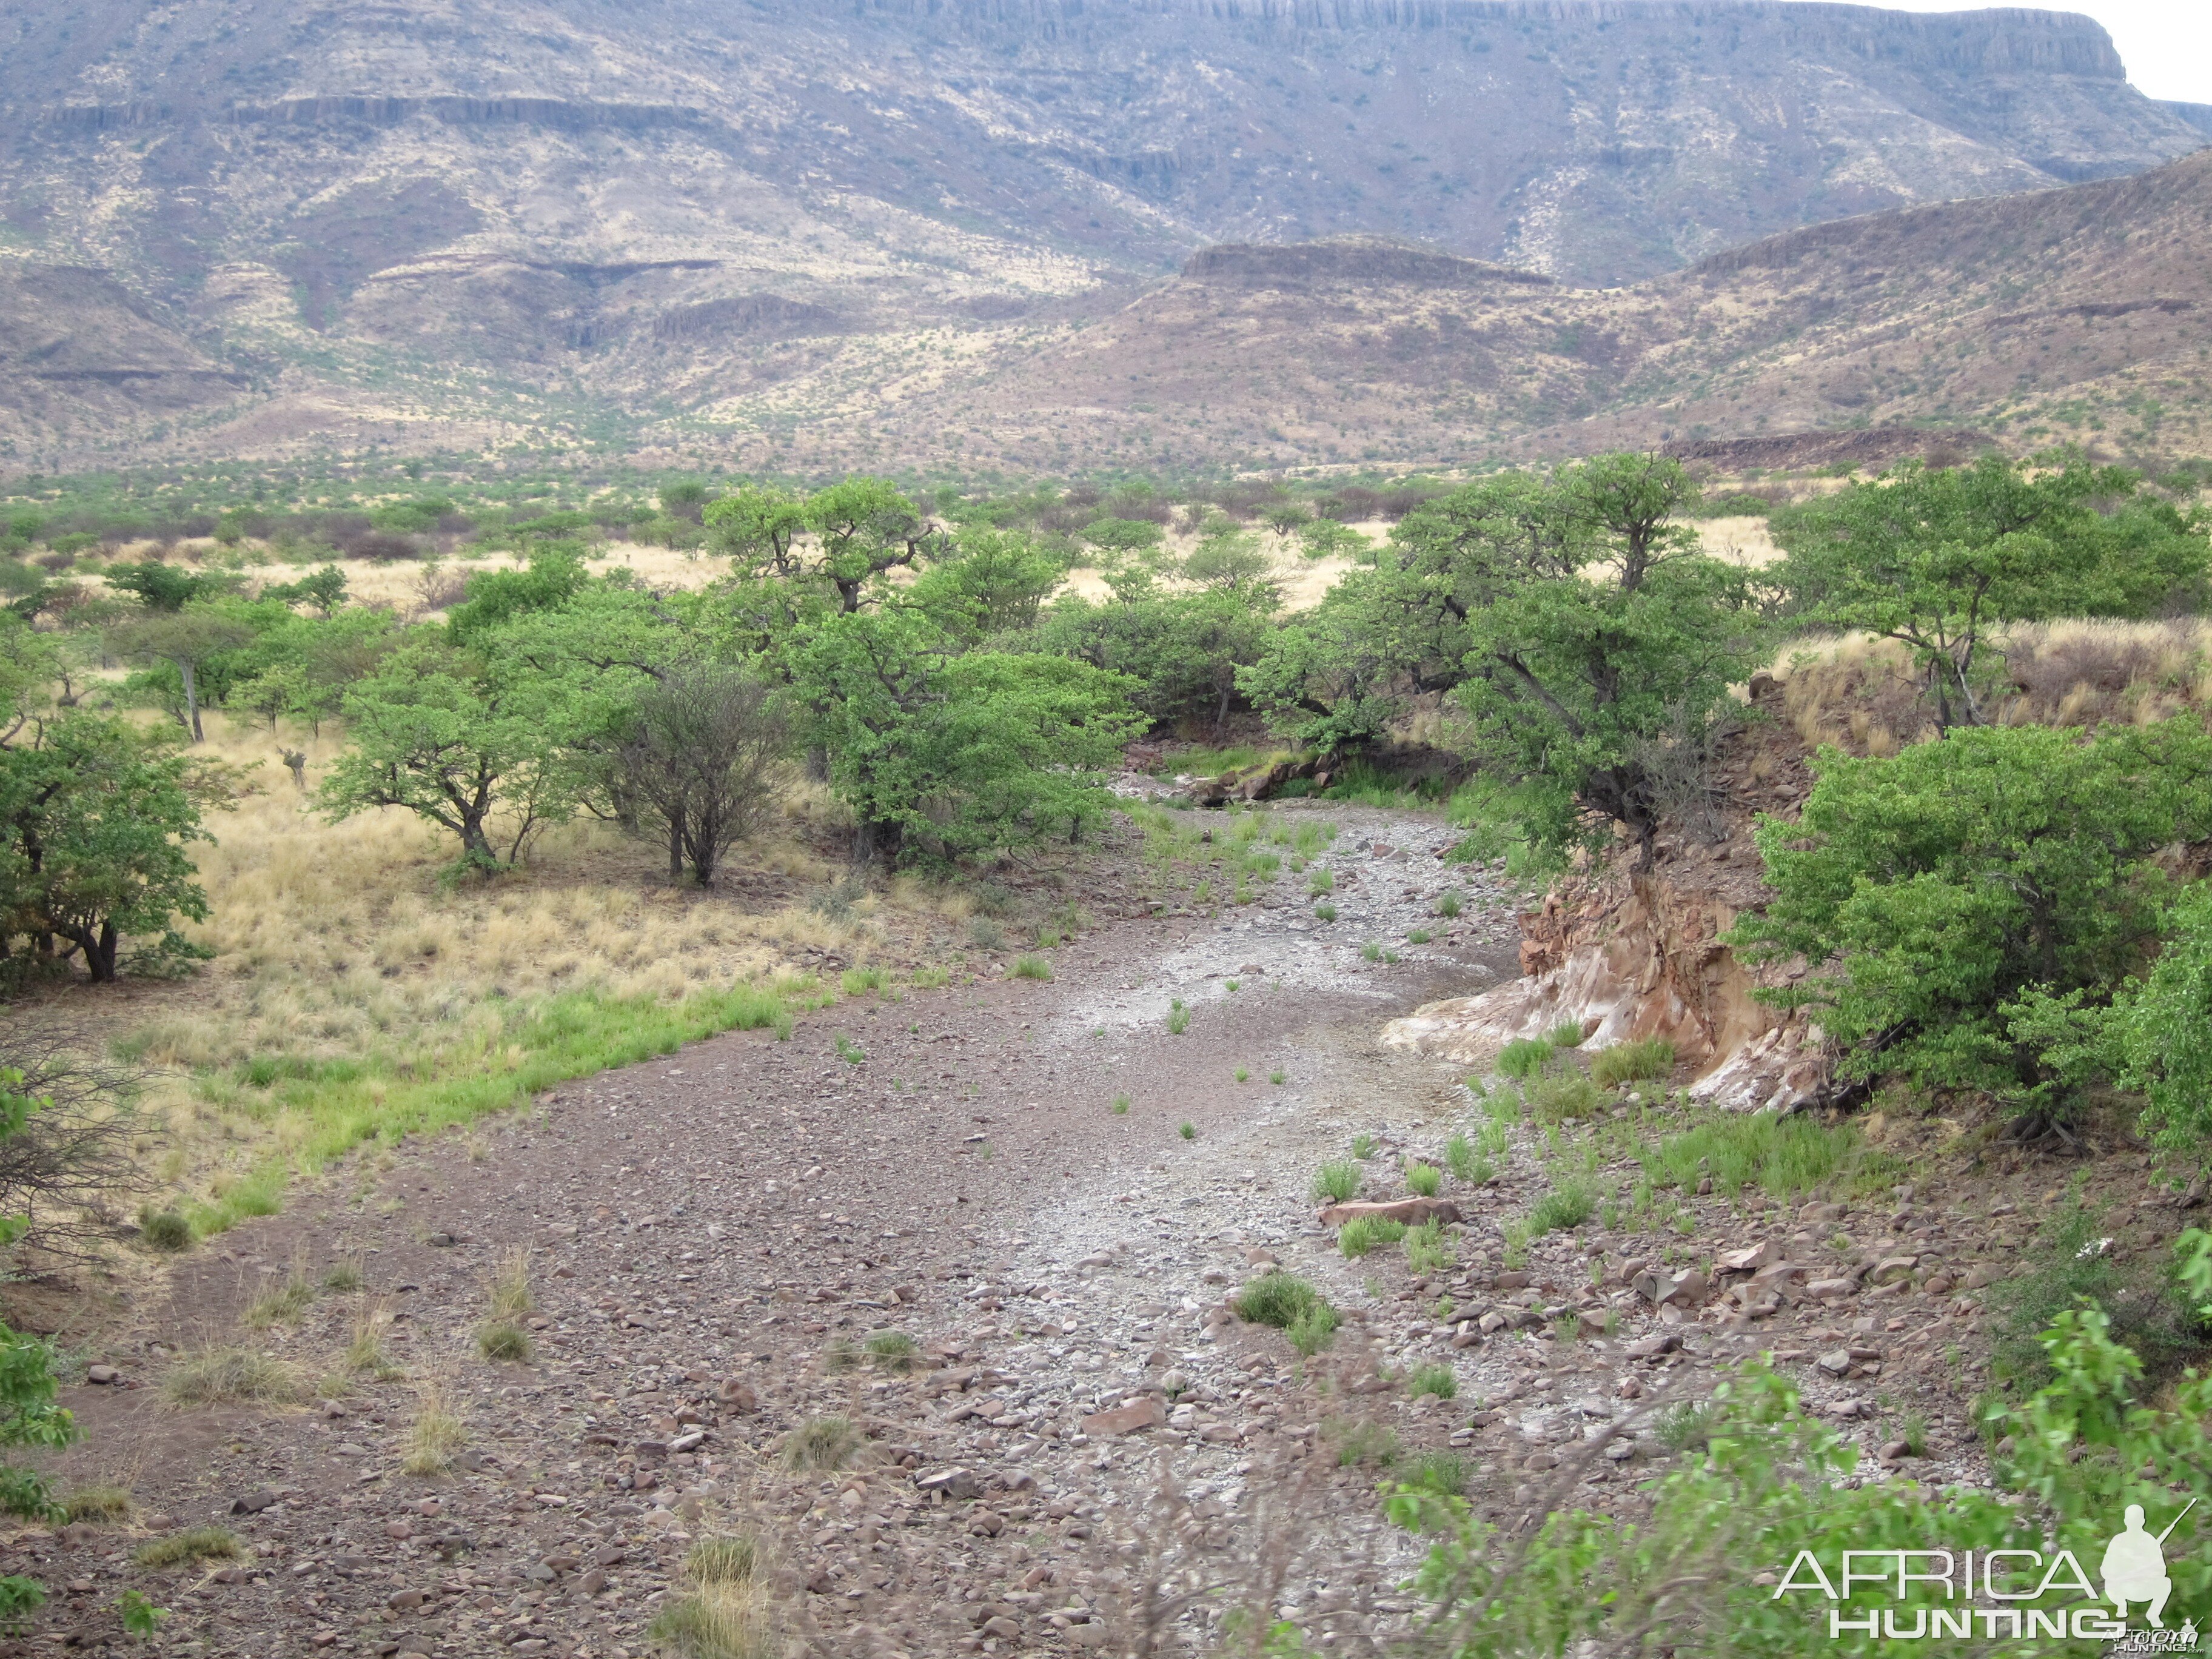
(1565, 1208)
(1523, 1057)
(1563, 1096)
(1366, 1233)
(1438, 1380)
(1032, 967)
(1277, 1298)
(1425, 1249)
(1567, 1034)
(1335, 1181)
(1423, 1180)
(1632, 1062)
(345, 1104)
(858, 981)
(1178, 1017)
(1460, 1158)
(1783, 1157)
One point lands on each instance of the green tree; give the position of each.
(95, 820)
(1601, 680)
(2162, 1032)
(1946, 895)
(1184, 653)
(30, 1411)
(165, 587)
(473, 741)
(188, 643)
(942, 752)
(324, 589)
(988, 582)
(866, 529)
(1932, 558)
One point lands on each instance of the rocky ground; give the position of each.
(1054, 1195)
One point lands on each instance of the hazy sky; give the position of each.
(2166, 44)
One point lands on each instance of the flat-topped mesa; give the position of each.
(1349, 261)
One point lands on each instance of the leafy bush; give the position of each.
(1335, 1181)
(1768, 1481)
(1966, 888)
(1277, 1298)
(1424, 1180)
(1632, 1062)
(2069, 1266)
(1567, 1034)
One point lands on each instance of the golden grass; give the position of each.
(435, 1435)
(349, 980)
(1861, 693)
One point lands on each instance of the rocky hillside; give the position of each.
(433, 224)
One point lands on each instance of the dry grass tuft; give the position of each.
(1862, 695)
(231, 1376)
(435, 1435)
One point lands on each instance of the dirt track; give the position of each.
(711, 1237)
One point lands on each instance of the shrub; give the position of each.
(1277, 1298)
(1335, 1181)
(1424, 1180)
(1312, 1330)
(1449, 906)
(1565, 1207)
(2068, 1264)
(190, 1545)
(1438, 1380)
(1568, 1034)
(1325, 912)
(1321, 879)
(226, 1376)
(1363, 1147)
(1365, 1233)
(1121, 1105)
(1364, 1442)
(164, 1230)
(1425, 1249)
(894, 1350)
(1632, 1062)
(932, 978)
(987, 933)
(822, 1443)
(858, 981)
(1460, 1158)
(1188, 1131)
(1030, 966)
(1565, 1096)
(501, 1340)
(1178, 1017)
(1523, 1057)
(1964, 888)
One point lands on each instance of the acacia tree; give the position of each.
(1932, 558)
(697, 759)
(943, 752)
(94, 819)
(475, 742)
(186, 640)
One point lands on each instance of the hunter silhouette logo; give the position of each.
(2134, 1568)
(1927, 1595)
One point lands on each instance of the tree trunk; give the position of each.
(186, 671)
(99, 953)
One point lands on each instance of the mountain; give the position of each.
(749, 226)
